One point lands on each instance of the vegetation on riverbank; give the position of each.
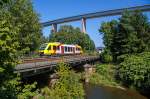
(127, 45)
(134, 71)
(68, 85)
(104, 75)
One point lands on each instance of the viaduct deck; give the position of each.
(31, 67)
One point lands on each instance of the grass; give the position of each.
(104, 75)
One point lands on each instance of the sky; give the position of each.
(54, 9)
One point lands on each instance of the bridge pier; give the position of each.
(54, 28)
(53, 78)
(89, 70)
(84, 25)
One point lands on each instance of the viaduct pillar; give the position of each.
(54, 28)
(83, 25)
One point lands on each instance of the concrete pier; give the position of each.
(89, 70)
(54, 28)
(83, 25)
(53, 79)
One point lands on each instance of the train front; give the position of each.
(42, 49)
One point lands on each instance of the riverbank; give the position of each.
(104, 75)
(107, 92)
(102, 83)
(103, 80)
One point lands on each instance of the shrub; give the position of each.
(106, 57)
(67, 87)
(104, 75)
(135, 70)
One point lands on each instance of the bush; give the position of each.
(104, 75)
(106, 57)
(67, 87)
(135, 70)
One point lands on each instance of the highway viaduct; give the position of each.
(83, 17)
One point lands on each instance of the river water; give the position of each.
(105, 92)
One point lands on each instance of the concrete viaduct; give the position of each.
(83, 17)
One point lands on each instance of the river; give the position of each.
(105, 92)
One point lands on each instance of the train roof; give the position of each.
(54, 43)
(58, 43)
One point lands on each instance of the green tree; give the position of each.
(69, 35)
(2, 2)
(10, 85)
(8, 46)
(108, 29)
(142, 27)
(129, 35)
(27, 21)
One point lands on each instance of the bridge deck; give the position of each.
(95, 15)
(38, 65)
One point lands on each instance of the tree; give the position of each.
(2, 2)
(108, 29)
(129, 35)
(142, 27)
(69, 35)
(10, 85)
(28, 22)
(8, 46)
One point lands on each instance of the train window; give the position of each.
(54, 47)
(58, 48)
(43, 46)
(49, 48)
(68, 49)
(65, 49)
(76, 49)
(71, 49)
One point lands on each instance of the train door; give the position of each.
(49, 50)
(54, 49)
(62, 49)
(73, 50)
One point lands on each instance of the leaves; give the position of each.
(14, 16)
(67, 86)
(69, 35)
(28, 22)
(135, 70)
(128, 35)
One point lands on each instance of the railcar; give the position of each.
(56, 48)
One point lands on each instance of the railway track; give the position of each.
(49, 58)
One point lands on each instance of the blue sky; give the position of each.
(54, 9)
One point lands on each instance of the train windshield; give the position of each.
(43, 46)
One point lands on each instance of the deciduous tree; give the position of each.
(69, 35)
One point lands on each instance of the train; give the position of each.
(56, 48)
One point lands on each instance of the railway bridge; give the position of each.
(35, 66)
